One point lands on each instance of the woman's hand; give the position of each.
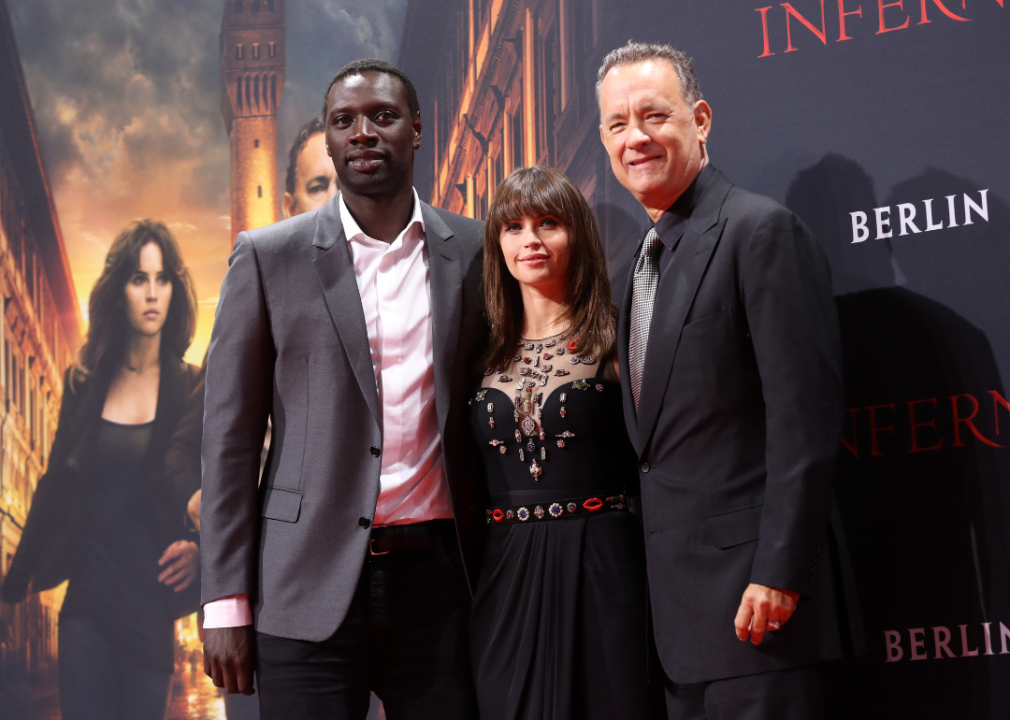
(193, 508)
(182, 562)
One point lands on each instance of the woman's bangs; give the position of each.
(529, 194)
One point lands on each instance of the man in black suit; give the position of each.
(731, 366)
(354, 328)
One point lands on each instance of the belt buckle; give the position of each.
(371, 550)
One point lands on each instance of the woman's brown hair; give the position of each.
(535, 192)
(109, 326)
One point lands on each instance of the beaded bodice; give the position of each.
(563, 437)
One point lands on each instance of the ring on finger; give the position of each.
(773, 625)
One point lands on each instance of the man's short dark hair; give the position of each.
(312, 127)
(637, 52)
(359, 67)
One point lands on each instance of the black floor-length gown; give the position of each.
(559, 626)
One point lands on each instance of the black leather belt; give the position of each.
(573, 507)
(387, 539)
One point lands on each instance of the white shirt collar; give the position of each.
(353, 231)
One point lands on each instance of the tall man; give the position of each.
(353, 328)
(731, 366)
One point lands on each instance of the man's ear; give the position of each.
(417, 129)
(288, 204)
(703, 119)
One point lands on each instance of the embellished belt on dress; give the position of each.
(574, 507)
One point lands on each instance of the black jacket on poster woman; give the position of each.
(53, 531)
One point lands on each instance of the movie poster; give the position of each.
(881, 124)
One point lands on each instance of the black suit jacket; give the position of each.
(737, 430)
(290, 342)
(52, 535)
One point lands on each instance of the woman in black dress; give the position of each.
(105, 516)
(559, 624)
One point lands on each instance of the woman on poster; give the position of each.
(559, 621)
(104, 515)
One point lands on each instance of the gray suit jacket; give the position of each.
(290, 342)
(737, 430)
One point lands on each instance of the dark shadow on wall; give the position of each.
(920, 504)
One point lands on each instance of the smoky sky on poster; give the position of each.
(127, 105)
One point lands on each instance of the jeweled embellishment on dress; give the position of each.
(523, 514)
(535, 470)
(539, 512)
(580, 385)
(480, 394)
(555, 510)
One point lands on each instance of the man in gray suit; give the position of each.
(354, 328)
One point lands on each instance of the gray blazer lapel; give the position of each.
(677, 287)
(340, 290)
(445, 273)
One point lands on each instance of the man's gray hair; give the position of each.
(637, 52)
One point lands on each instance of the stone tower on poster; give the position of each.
(252, 80)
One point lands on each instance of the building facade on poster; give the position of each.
(39, 335)
(513, 86)
(252, 82)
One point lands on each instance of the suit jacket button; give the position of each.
(375, 451)
(644, 467)
(364, 522)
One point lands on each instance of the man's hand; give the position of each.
(183, 560)
(760, 606)
(228, 655)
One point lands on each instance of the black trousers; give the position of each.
(794, 694)
(404, 637)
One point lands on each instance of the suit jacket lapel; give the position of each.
(445, 273)
(343, 300)
(623, 337)
(677, 287)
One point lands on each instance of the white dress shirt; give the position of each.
(395, 291)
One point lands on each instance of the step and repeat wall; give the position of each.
(883, 125)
